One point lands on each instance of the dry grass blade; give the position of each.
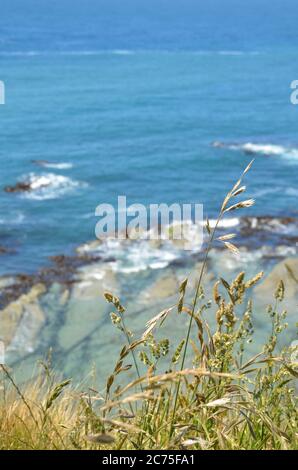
(291, 370)
(131, 399)
(55, 393)
(182, 290)
(148, 331)
(241, 205)
(129, 386)
(229, 236)
(232, 248)
(291, 273)
(100, 438)
(123, 426)
(239, 191)
(237, 185)
(254, 280)
(248, 167)
(251, 361)
(220, 402)
(160, 316)
(172, 376)
(151, 324)
(208, 228)
(135, 344)
(196, 441)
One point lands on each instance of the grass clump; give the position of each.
(209, 395)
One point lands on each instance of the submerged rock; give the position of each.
(25, 312)
(86, 308)
(40, 162)
(74, 317)
(5, 251)
(20, 187)
(286, 271)
(164, 287)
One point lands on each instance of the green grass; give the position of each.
(209, 396)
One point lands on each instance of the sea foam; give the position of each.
(49, 186)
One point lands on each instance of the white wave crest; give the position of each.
(261, 149)
(67, 53)
(49, 186)
(225, 223)
(54, 165)
(292, 192)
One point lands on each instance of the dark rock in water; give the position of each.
(18, 188)
(25, 279)
(218, 144)
(60, 260)
(40, 162)
(110, 259)
(4, 251)
(251, 225)
(73, 262)
(64, 269)
(26, 186)
(178, 263)
(63, 272)
(20, 285)
(249, 151)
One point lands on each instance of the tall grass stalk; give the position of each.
(234, 192)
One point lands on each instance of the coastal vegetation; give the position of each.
(206, 392)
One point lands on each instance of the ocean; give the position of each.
(127, 98)
(162, 101)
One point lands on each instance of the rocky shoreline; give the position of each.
(62, 306)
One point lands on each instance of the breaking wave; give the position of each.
(260, 149)
(54, 165)
(49, 186)
(132, 256)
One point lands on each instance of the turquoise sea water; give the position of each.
(126, 98)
